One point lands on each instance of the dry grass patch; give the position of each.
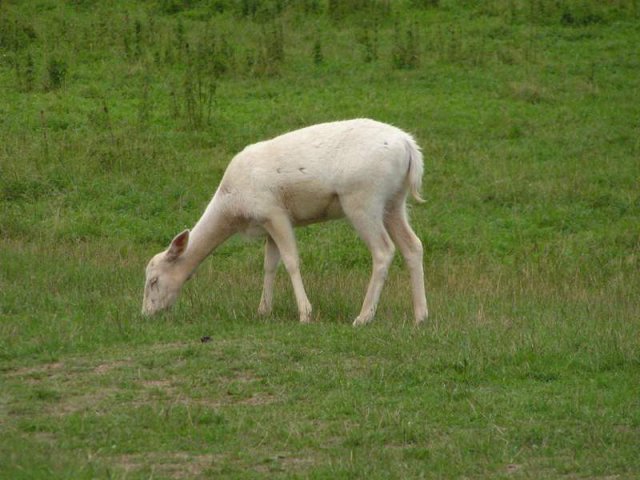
(36, 373)
(107, 367)
(528, 91)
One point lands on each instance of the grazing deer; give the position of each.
(360, 169)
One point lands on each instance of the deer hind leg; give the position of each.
(367, 219)
(279, 228)
(411, 248)
(271, 261)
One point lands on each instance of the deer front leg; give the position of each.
(279, 228)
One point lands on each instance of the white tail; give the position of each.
(359, 169)
(416, 168)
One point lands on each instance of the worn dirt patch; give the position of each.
(170, 464)
(93, 401)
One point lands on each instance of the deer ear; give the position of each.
(178, 246)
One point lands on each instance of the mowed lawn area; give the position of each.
(117, 120)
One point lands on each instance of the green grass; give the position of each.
(114, 135)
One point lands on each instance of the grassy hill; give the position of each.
(117, 120)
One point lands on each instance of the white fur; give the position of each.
(360, 169)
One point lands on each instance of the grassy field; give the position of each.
(117, 120)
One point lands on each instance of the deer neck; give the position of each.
(212, 229)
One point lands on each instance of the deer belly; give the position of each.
(310, 205)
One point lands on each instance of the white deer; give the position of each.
(361, 169)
